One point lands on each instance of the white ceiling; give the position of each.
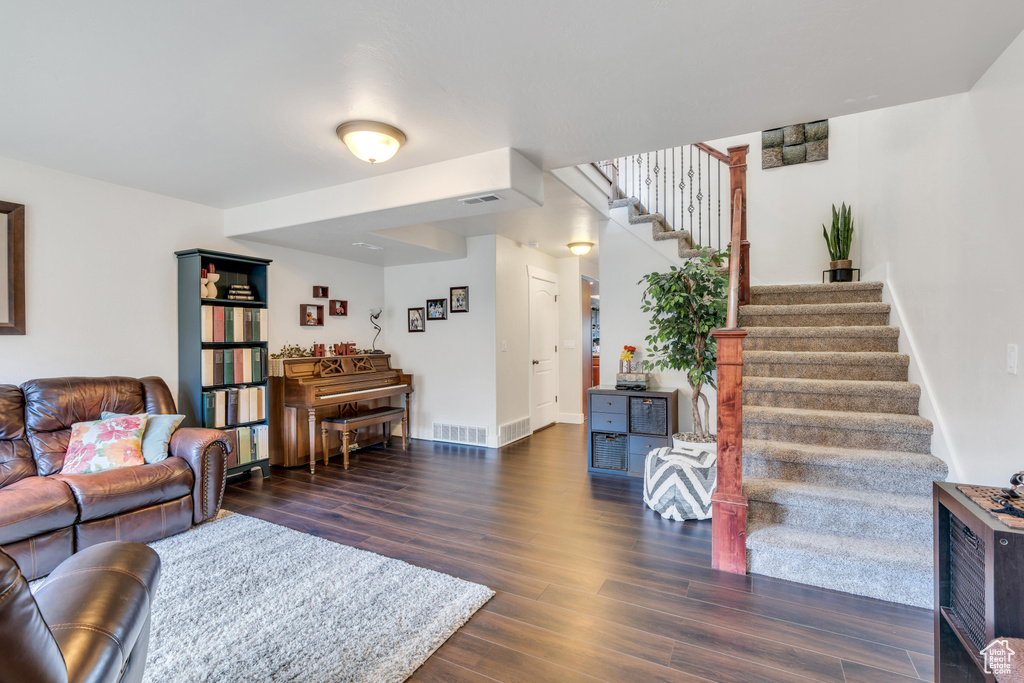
(231, 102)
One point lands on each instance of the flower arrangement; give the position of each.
(626, 357)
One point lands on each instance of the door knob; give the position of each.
(536, 362)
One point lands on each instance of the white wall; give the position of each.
(513, 326)
(940, 184)
(787, 206)
(101, 279)
(625, 259)
(571, 345)
(453, 360)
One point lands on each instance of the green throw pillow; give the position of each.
(157, 435)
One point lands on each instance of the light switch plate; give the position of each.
(504, 345)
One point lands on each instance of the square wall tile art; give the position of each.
(794, 144)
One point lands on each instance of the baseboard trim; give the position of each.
(572, 418)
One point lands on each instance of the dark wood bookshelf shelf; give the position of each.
(234, 269)
(232, 345)
(229, 302)
(217, 387)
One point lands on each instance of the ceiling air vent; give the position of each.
(364, 245)
(480, 199)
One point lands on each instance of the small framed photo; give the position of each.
(437, 309)
(320, 292)
(460, 299)
(416, 317)
(338, 307)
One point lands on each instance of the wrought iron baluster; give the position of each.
(700, 203)
(719, 205)
(709, 200)
(636, 185)
(647, 182)
(675, 226)
(689, 174)
(657, 170)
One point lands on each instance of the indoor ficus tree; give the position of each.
(686, 304)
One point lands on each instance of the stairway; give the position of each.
(660, 230)
(837, 462)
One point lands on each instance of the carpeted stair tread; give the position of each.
(893, 570)
(847, 458)
(803, 494)
(815, 315)
(854, 365)
(832, 394)
(860, 468)
(834, 292)
(660, 233)
(635, 218)
(877, 431)
(878, 338)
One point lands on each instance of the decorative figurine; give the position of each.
(374, 315)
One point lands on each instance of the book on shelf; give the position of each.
(220, 407)
(218, 366)
(206, 325)
(232, 407)
(218, 323)
(257, 368)
(238, 334)
(229, 366)
(207, 367)
(247, 325)
(239, 377)
(229, 324)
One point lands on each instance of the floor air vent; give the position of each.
(513, 431)
(475, 436)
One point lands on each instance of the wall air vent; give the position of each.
(480, 199)
(474, 436)
(513, 431)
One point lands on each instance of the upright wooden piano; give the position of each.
(305, 390)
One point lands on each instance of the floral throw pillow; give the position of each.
(105, 445)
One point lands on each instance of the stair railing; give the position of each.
(728, 504)
(684, 184)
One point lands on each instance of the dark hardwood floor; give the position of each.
(591, 585)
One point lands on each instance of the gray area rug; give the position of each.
(241, 599)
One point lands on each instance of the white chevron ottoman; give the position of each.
(678, 483)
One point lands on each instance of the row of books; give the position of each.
(227, 407)
(252, 444)
(233, 366)
(234, 324)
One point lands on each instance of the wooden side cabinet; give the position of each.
(624, 426)
(979, 585)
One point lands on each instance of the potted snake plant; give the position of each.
(839, 240)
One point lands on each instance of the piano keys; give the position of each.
(305, 390)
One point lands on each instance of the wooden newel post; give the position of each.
(738, 181)
(728, 504)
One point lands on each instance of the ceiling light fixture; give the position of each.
(580, 248)
(371, 141)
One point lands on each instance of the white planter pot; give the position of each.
(679, 443)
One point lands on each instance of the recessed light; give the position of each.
(364, 245)
(371, 141)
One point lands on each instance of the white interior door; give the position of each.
(543, 351)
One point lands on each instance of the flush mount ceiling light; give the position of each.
(371, 141)
(580, 248)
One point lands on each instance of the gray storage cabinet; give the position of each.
(624, 426)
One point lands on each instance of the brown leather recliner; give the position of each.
(88, 623)
(45, 516)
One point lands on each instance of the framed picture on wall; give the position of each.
(437, 309)
(460, 299)
(416, 319)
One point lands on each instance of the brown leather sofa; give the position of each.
(88, 622)
(45, 516)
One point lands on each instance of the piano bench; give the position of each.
(365, 418)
